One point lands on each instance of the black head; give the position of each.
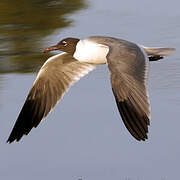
(66, 45)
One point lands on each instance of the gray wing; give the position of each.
(128, 68)
(53, 80)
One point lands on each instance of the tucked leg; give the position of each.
(155, 58)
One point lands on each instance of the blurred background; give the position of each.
(84, 136)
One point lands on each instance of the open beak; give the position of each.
(51, 48)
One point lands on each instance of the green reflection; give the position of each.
(23, 26)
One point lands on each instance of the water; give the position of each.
(84, 135)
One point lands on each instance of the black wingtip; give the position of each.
(9, 141)
(137, 124)
(13, 137)
(28, 118)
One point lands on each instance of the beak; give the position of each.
(51, 48)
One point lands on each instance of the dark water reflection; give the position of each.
(23, 27)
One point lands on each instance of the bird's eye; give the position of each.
(64, 43)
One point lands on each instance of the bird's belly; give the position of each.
(91, 52)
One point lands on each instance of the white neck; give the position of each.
(91, 52)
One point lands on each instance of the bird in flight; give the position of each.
(128, 66)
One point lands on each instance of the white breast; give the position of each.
(91, 52)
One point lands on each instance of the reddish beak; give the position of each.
(51, 48)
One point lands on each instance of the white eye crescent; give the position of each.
(64, 43)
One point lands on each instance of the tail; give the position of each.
(158, 51)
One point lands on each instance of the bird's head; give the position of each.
(67, 45)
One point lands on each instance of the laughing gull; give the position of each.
(128, 66)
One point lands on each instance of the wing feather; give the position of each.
(128, 67)
(53, 80)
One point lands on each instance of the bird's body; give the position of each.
(128, 66)
(91, 52)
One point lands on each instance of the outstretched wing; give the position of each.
(128, 65)
(53, 80)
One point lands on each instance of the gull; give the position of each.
(128, 65)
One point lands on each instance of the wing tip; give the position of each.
(137, 124)
(138, 138)
(27, 119)
(13, 138)
(145, 138)
(10, 140)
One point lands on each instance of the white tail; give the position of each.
(158, 51)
